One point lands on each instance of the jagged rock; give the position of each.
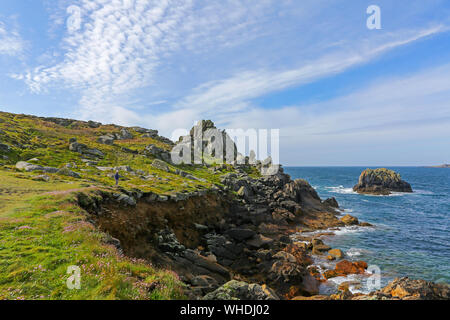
(239, 290)
(124, 135)
(158, 153)
(205, 133)
(127, 200)
(406, 288)
(168, 242)
(349, 220)
(381, 182)
(332, 202)
(83, 149)
(161, 165)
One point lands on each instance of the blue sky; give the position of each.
(340, 94)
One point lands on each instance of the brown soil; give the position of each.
(137, 227)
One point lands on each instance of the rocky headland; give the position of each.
(381, 182)
(446, 165)
(226, 231)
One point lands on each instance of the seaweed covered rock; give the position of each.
(381, 182)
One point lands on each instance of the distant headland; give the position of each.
(445, 165)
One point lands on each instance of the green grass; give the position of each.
(42, 234)
(43, 231)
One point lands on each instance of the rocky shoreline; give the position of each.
(237, 235)
(237, 241)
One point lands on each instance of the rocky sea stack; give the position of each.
(381, 182)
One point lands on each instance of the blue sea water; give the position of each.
(411, 235)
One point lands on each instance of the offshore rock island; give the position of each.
(204, 231)
(381, 182)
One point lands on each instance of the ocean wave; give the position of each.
(357, 283)
(419, 191)
(341, 190)
(351, 229)
(401, 194)
(344, 211)
(356, 252)
(335, 231)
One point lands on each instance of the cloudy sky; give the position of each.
(340, 94)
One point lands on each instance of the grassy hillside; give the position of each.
(43, 231)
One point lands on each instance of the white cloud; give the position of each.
(117, 45)
(10, 42)
(224, 99)
(389, 117)
(125, 45)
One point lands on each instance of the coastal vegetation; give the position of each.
(205, 231)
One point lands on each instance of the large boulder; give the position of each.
(336, 253)
(349, 220)
(158, 153)
(346, 267)
(106, 139)
(381, 182)
(239, 290)
(74, 146)
(22, 165)
(331, 202)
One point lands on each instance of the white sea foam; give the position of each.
(341, 190)
(357, 282)
(356, 252)
(338, 231)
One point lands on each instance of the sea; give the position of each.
(411, 235)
